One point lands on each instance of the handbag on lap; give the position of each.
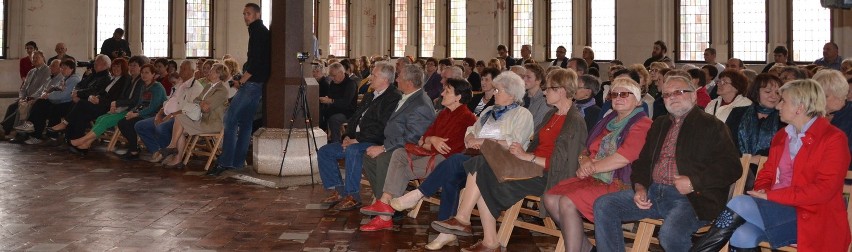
(506, 166)
(416, 150)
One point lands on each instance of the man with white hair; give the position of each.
(85, 95)
(364, 130)
(34, 126)
(61, 53)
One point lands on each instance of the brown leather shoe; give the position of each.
(452, 226)
(333, 198)
(348, 203)
(480, 247)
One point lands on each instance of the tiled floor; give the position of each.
(51, 200)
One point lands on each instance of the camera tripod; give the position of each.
(301, 109)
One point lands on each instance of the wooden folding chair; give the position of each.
(114, 137)
(206, 144)
(509, 220)
(416, 210)
(645, 231)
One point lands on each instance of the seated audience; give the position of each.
(481, 101)
(604, 167)
(506, 121)
(156, 131)
(30, 89)
(585, 101)
(589, 57)
(472, 76)
(432, 85)
(830, 56)
(339, 102)
(682, 175)
(88, 93)
(554, 147)
(796, 198)
(534, 100)
(658, 71)
(39, 106)
(162, 74)
(699, 79)
(365, 129)
(791, 73)
(209, 119)
(58, 101)
(150, 100)
(731, 86)
(779, 56)
(838, 108)
(26, 62)
(412, 116)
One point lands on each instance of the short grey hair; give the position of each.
(404, 60)
(414, 74)
(833, 83)
(512, 84)
(336, 66)
(317, 67)
(591, 82)
(386, 70)
(191, 64)
(681, 79)
(104, 58)
(457, 72)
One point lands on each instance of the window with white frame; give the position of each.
(522, 25)
(748, 33)
(694, 29)
(560, 26)
(811, 29)
(110, 16)
(400, 27)
(427, 27)
(338, 28)
(198, 28)
(603, 29)
(155, 28)
(458, 28)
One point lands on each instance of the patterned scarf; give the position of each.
(584, 104)
(754, 136)
(497, 111)
(610, 142)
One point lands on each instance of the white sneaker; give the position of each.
(26, 127)
(33, 141)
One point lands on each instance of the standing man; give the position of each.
(240, 114)
(682, 175)
(830, 56)
(116, 46)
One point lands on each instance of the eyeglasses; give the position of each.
(613, 95)
(722, 82)
(675, 93)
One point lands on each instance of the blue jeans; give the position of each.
(451, 176)
(155, 137)
(679, 219)
(330, 173)
(238, 123)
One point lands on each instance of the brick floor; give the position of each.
(51, 200)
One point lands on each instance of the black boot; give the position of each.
(719, 234)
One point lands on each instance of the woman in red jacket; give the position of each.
(797, 197)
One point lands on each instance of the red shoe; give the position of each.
(378, 208)
(377, 224)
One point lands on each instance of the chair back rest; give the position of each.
(738, 188)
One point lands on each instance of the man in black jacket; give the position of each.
(86, 98)
(339, 102)
(365, 129)
(116, 46)
(682, 176)
(240, 114)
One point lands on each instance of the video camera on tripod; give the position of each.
(302, 56)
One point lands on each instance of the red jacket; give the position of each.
(817, 186)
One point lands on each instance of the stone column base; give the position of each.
(269, 146)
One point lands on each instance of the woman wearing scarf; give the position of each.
(752, 127)
(613, 144)
(559, 139)
(798, 195)
(504, 122)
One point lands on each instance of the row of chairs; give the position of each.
(201, 145)
(642, 232)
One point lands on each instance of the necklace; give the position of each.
(553, 121)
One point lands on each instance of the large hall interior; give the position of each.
(274, 149)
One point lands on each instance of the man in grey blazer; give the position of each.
(409, 121)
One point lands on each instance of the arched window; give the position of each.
(748, 30)
(693, 29)
(400, 27)
(155, 28)
(811, 29)
(427, 28)
(522, 25)
(603, 29)
(199, 16)
(458, 28)
(561, 33)
(338, 28)
(111, 14)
